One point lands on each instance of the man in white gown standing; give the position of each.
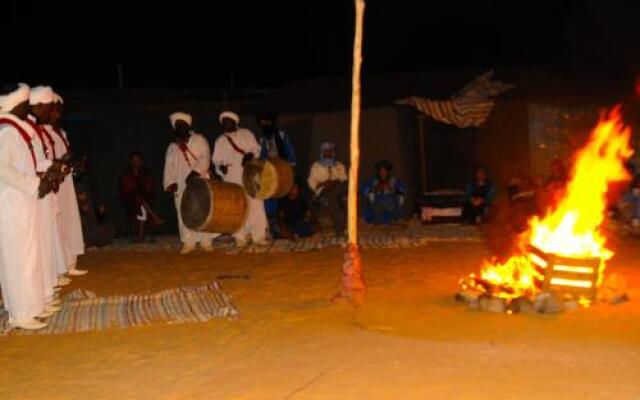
(21, 276)
(232, 150)
(187, 155)
(69, 216)
(54, 262)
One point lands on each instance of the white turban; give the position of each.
(41, 95)
(57, 98)
(11, 100)
(229, 114)
(180, 116)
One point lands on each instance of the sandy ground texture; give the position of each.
(409, 341)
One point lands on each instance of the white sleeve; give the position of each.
(313, 178)
(253, 145)
(201, 151)
(8, 174)
(170, 176)
(341, 172)
(218, 158)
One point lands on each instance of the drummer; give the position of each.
(274, 143)
(233, 149)
(187, 157)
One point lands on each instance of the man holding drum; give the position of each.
(187, 157)
(235, 147)
(274, 143)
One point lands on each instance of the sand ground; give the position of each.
(409, 341)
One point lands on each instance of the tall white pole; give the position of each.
(353, 285)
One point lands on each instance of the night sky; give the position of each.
(266, 43)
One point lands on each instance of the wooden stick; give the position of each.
(353, 286)
(354, 148)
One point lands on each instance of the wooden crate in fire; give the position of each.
(568, 275)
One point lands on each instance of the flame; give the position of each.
(573, 227)
(516, 277)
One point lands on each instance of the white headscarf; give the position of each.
(57, 98)
(11, 100)
(180, 116)
(230, 115)
(41, 95)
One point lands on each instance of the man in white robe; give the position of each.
(21, 277)
(54, 260)
(69, 216)
(187, 155)
(232, 149)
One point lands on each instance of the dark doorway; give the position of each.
(450, 155)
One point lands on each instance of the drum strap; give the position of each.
(25, 137)
(235, 146)
(186, 152)
(40, 133)
(58, 132)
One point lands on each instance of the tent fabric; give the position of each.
(471, 107)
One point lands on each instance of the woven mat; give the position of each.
(380, 238)
(83, 311)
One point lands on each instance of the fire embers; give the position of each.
(541, 283)
(542, 303)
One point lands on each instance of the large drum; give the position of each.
(213, 206)
(267, 179)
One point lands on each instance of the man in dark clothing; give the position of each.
(136, 191)
(384, 196)
(273, 143)
(294, 215)
(480, 193)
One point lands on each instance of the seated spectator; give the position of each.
(96, 229)
(294, 215)
(328, 181)
(384, 196)
(480, 193)
(629, 204)
(136, 190)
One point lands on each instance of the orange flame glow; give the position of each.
(573, 227)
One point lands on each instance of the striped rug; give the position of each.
(83, 311)
(366, 240)
(415, 235)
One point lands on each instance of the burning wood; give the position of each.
(562, 256)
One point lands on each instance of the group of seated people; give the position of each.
(523, 193)
(527, 196)
(383, 198)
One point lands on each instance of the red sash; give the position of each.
(46, 133)
(39, 130)
(235, 146)
(58, 132)
(186, 152)
(25, 137)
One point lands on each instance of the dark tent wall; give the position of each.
(110, 136)
(523, 132)
(503, 141)
(386, 133)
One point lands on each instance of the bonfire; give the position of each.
(563, 253)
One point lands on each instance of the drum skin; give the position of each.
(213, 206)
(267, 179)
